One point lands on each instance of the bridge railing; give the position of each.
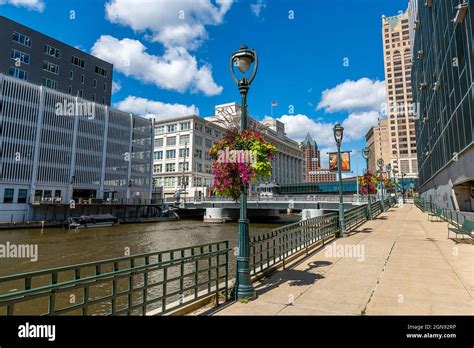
(133, 285)
(278, 198)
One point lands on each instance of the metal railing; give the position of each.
(154, 283)
(355, 217)
(276, 198)
(454, 217)
(274, 247)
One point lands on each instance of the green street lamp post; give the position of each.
(395, 182)
(366, 155)
(243, 59)
(389, 171)
(380, 163)
(338, 134)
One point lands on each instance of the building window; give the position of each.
(171, 141)
(82, 79)
(170, 167)
(100, 71)
(22, 195)
(77, 61)
(19, 56)
(183, 167)
(18, 73)
(49, 83)
(159, 129)
(105, 87)
(51, 51)
(8, 196)
(95, 83)
(50, 67)
(208, 131)
(158, 155)
(69, 89)
(170, 181)
(197, 153)
(197, 140)
(159, 142)
(171, 128)
(71, 75)
(198, 127)
(93, 97)
(184, 152)
(185, 126)
(170, 153)
(157, 168)
(22, 39)
(103, 100)
(208, 143)
(184, 139)
(80, 93)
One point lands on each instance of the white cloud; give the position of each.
(116, 86)
(358, 124)
(151, 108)
(361, 95)
(172, 23)
(355, 126)
(257, 7)
(36, 5)
(175, 70)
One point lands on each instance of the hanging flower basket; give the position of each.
(389, 186)
(238, 160)
(369, 181)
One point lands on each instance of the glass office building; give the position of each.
(442, 80)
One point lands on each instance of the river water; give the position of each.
(60, 247)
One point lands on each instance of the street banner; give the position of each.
(345, 160)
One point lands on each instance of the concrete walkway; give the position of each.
(405, 265)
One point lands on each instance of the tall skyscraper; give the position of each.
(313, 171)
(443, 70)
(400, 110)
(377, 139)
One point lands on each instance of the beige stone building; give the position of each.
(378, 141)
(400, 108)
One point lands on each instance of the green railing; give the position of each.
(274, 247)
(451, 216)
(355, 216)
(160, 282)
(152, 283)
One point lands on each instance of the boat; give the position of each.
(91, 221)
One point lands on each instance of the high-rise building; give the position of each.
(312, 156)
(54, 150)
(34, 57)
(443, 87)
(378, 142)
(313, 171)
(400, 110)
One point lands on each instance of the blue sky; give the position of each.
(321, 60)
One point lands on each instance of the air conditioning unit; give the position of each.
(423, 86)
(460, 13)
(436, 86)
(420, 54)
(429, 3)
(417, 24)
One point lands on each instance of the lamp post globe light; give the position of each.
(366, 154)
(338, 134)
(380, 163)
(243, 59)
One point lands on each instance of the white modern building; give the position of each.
(56, 149)
(181, 155)
(181, 151)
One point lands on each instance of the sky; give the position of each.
(320, 60)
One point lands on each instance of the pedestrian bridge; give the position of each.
(219, 209)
